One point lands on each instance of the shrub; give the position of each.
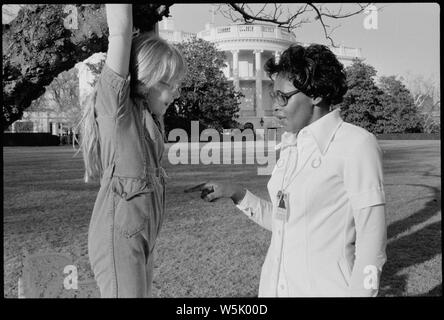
(30, 139)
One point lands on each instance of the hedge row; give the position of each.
(30, 139)
(409, 136)
(47, 139)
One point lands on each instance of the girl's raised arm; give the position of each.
(120, 24)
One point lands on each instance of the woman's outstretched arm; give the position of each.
(120, 24)
(257, 209)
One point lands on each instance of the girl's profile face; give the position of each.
(298, 111)
(161, 96)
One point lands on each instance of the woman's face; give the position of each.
(161, 96)
(298, 111)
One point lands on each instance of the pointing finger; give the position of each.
(199, 187)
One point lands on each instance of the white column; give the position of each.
(226, 70)
(20, 289)
(45, 122)
(55, 128)
(74, 132)
(236, 68)
(177, 36)
(277, 32)
(13, 127)
(277, 56)
(156, 29)
(259, 107)
(36, 123)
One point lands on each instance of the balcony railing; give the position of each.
(247, 76)
(246, 31)
(176, 36)
(257, 31)
(346, 51)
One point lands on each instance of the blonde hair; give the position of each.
(152, 60)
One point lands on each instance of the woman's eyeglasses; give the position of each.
(281, 97)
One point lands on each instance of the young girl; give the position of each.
(122, 144)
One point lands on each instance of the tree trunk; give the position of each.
(45, 40)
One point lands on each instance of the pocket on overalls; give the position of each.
(133, 205)
(345, 270)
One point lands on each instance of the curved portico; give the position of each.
(247, 47)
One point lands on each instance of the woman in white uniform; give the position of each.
(327, 208)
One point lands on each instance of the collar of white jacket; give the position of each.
(288, 139)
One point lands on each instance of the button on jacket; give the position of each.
(335, 235)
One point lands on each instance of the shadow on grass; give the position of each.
(408, 249)
(412, 249)
(429, 210)
(403, 160)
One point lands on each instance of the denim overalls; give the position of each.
(130, 205)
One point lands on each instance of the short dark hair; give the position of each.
(314, 70)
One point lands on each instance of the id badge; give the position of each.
(282, 210)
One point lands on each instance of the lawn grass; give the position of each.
(211, 249)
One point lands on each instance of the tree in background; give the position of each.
(362, 104)
(206, 94)
(400, 114)
(385, 108)
(427, 97)
(44, 40)
(62, 98)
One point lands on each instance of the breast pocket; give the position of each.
(134, 205)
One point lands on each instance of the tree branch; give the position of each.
(293, 20)
(37, 46)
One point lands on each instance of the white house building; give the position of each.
(247, 47)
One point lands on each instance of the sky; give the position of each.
(406, 40)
